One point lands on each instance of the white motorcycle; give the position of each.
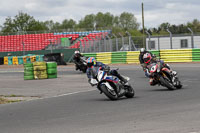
(111, 86)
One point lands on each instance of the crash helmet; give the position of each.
(142, 50)
(91, 61)
(147, 57)
(76, 52)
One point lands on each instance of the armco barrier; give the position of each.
(90, 55)
(156, 52)
(196, 55)
(118, 57)
(104, 57)
(177, 55)
(132, 57)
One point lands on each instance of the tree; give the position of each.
(87, 22)
(128, 21)
(68, 24)
(21, 22)
(104, 20)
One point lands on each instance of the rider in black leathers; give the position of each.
(76, 58)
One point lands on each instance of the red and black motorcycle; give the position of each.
(164, 77)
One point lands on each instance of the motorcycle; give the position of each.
(164, 77)
(111, 86)
(82, 64)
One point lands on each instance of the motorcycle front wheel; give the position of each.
(111, 94)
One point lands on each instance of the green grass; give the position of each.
(4, 100)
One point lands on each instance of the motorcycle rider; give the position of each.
(142, 52)
(94, 67)
(148, 60)
(76, 58)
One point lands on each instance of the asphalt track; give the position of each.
(152, 110)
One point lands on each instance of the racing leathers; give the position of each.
(93, 71)
(153, 82)
(76, 59)
(142, 62)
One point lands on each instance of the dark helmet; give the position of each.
(91, 61)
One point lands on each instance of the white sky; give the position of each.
(155, 11)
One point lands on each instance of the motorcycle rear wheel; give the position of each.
(130, 93)
(166, 83)
(112, 95)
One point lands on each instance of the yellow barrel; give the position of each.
(24, 59)
(5, 60)
(15, 60)
(33, 58)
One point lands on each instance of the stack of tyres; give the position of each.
(52, 70)
(40, 70)
(28, 71)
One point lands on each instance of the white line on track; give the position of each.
(66, 94)
(71, 93)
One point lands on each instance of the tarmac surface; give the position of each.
(69, 104)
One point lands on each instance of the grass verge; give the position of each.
(4, 100)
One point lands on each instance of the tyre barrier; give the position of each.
(28, 71)
(52, 70)
(18, 60)
(40, 70)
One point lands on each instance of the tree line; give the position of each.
(118, 24)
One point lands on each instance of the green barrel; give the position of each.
(51, 70)
(28, 71)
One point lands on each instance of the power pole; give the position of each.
(143, 25)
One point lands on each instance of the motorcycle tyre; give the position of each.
(166, 84)
(108, 94)
(130, 93)
(179, 86)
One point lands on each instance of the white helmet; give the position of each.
(76, 52)
(142, 50)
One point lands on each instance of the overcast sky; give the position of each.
(155, 11)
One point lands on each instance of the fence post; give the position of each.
(99, 42)
(109, 43)
(192, 37)
(116, 40)
(129, 40)
(170, 38)
(81, 49)
(158, 43)
(94, 48)
(122, 41)
(149, 42)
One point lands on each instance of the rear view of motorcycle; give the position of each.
(163, 76)
(112, 86)
(80, 61)
(81, 64)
